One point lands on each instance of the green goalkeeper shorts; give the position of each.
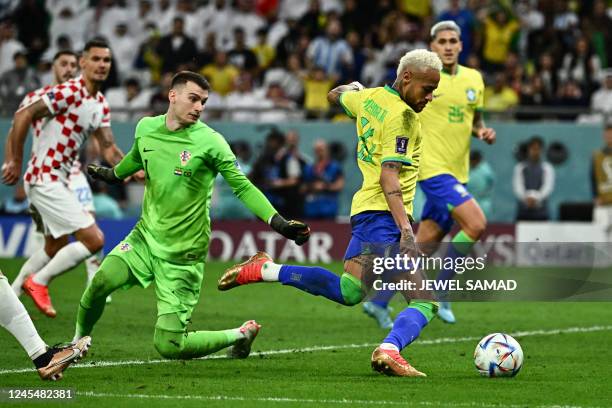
(177, 286)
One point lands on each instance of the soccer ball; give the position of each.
(498, 355)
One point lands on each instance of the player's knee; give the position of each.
(168, 344)
(169, 338)
(99, 286)
(351, 288)
(476, 227)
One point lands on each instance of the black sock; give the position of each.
(44, 359)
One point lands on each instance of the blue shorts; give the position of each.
(371, 228)
(443, 194)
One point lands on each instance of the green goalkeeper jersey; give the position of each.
(180, 169)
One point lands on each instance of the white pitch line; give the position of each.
(344, 401)
(442, 340)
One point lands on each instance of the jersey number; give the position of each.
(146, 169)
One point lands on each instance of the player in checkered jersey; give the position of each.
(62, 119)
(65, 67)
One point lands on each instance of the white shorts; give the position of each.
(79, 185)
(59, 208)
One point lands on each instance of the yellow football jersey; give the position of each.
(387, 130)
(447, 124)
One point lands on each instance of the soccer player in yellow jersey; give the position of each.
(388, 155)
(448, 124)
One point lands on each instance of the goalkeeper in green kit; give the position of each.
(181, 157)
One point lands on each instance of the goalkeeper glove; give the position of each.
(106, 174)
(294, 230)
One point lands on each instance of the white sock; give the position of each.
(34, 264)
(15, 319)
(66, 258)
(92, 264)
(389, 346)
(270, 271)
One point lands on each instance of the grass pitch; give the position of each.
(312, 352)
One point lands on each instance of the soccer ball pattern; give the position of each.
(498, 355)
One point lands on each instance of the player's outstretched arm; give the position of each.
(13, 152)
(259, 205)
(333, 96)
(130, 164)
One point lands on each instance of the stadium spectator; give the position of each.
(265, 168)
(323, 180)
(546, 70)
(531, 20)
(533, 182)
(288, 44)
(164, 15)
(217, 18)
(124, 52)
(466, 21)
(499, 31)
(601, 101)
(130, 102)
(221, 74)
(482, 182)
(9, 45)
(570, 95)
(176, 48)
(316, 87)
(144, 18)
(405, 38)
(245, 18)
(32, 23)
(62, 43)
(500, 97)
(206, 55)
(279, 105)
(581, 65)
(289, 77)
(17, 204)
(16, 83)
(599, 24)
(263, 51)
(240, 55)
(331, 52)
(71, 23)
(601, 180)
(533, 94)
(244, 100)
(147, 58)
(310, 22)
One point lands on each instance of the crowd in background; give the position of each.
(271, 60)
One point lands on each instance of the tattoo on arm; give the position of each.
(394, 193)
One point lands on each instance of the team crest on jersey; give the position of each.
(51, 95)
(401, 144)
(471, 95)
(460, 188)
(124, 247)
(185, 156)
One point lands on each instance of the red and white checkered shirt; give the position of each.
(57, 139)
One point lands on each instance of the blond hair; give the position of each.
(419, 60)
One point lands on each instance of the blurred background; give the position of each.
(546, 65)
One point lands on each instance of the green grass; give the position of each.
(560, 369)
